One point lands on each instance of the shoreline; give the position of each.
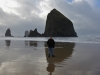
(89, 40)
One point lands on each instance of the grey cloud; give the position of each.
(84, 17)
(27, 6)
(19, 25)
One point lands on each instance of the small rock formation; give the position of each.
(34, 33)
(57, 25)
(8, 32)
(26, 33)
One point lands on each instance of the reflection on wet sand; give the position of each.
(26, 43)
(61, 54)
(50, 67)
(33, 43)
(71, 59)
(8, 42)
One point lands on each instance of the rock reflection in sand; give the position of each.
(8, 42)
(31, 43)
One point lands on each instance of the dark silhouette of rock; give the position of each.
(26, 33)
(42, 35)
(34, 33)
(57, 25)
(8, 32)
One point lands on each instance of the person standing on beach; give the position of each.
(51, 45)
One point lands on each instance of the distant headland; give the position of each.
(57, 25)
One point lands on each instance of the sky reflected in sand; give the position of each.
(30, 58)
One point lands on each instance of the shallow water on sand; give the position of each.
(30, 58)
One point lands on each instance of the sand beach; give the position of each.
(30, 58)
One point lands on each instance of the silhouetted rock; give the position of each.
(42, 35)
(26, 33)
(57, 25)
(8, 32)
(34, 33)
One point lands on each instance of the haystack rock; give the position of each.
(57, 25)
(26, 33)
(8, 32)
(34, 33)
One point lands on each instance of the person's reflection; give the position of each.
(8, 42)
(51, 66)
(62, 51)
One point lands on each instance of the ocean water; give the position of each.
(84, 39)
(28, 56)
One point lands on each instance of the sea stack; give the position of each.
(8, 32)
(57, 25)
(26, 33)
(34, 33)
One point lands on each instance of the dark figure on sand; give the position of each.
(51, 45)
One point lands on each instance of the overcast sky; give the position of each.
(21, 15)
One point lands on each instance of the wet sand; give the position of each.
(30, 58)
